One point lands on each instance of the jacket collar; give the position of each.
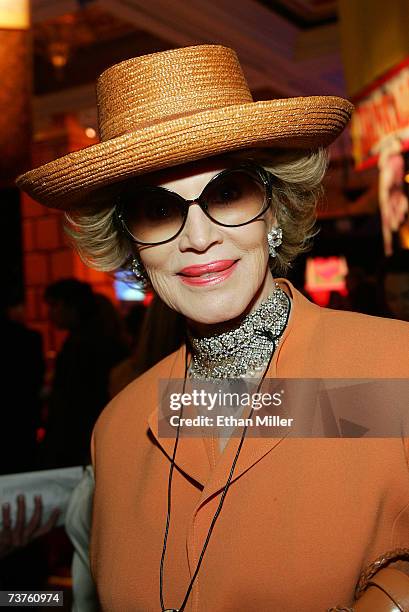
(200, 458)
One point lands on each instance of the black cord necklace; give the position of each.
(226, 487)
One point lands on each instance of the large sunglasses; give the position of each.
(234, 197)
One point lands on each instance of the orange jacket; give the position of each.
(302, 517)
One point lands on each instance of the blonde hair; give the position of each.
(298, 175)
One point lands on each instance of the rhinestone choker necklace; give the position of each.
(245, 350)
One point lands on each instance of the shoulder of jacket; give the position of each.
(365, 324)
(373, 346)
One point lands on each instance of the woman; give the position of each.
(179, 192)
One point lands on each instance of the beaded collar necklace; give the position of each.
(244, 351)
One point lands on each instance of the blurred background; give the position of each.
(51, 54)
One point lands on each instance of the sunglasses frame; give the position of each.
(263, 174)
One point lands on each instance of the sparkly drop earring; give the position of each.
(275, 238)
(139, 273)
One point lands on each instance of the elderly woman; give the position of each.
(209, 196)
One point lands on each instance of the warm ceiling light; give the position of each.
(406, 178)
(58, 52)
(90, 132)
(15, 14)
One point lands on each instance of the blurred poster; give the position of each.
(381, 112)
(393, 198)
(325, 273)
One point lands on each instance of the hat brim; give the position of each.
(76, 179)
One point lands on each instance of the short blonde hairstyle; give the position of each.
(102, 244)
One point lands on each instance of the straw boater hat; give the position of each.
(173, 107)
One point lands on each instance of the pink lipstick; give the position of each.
(208, 274)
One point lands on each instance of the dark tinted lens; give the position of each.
(235, 197)
(152, 215)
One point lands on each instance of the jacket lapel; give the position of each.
(191, 454)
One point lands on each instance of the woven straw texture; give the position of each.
(173, 107)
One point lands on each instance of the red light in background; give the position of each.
(148, 298)
(40, 434)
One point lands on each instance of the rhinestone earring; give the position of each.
(139, 272)
(275, 238)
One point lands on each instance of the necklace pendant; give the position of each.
(171, 610)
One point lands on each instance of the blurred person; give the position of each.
(110, 319)
(79, 389)
(78, 528)
(362, 292)
(338, 301)
(23, 556)
(134, 321)
(22, 377)
(209, 197)
(23, 532)
(396, 285)
(162, 333)
(124, 372)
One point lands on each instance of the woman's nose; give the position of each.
(199, 231)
